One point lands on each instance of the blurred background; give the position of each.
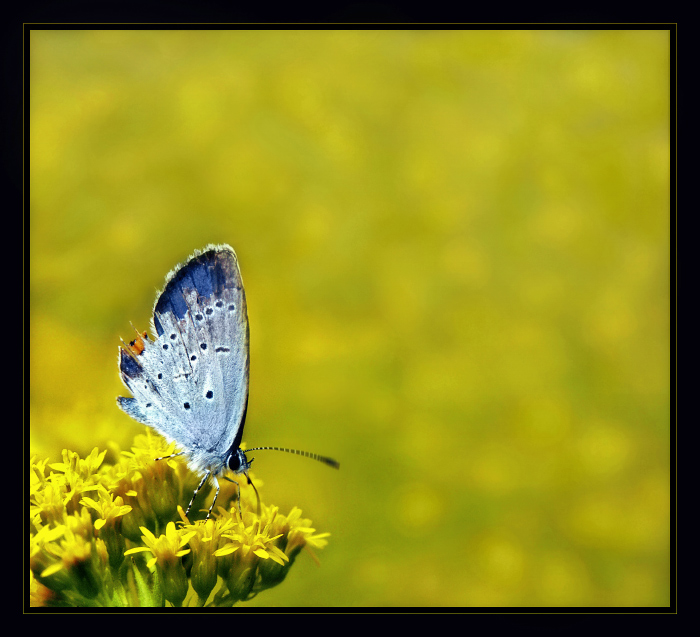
(455, 247)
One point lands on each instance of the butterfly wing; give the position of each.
(191, 383)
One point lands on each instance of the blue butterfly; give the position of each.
(190, 384)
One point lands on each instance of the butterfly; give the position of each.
(190, 383)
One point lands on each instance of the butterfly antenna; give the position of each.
(307, 454)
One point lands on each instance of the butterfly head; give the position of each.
(238, 462)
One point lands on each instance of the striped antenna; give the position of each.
(307, 454)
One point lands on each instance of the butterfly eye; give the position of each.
(234, 462)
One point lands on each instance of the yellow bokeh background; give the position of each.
(455, 247)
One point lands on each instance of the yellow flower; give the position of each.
(62, 559)
(116, 535)
(108, 507)
(165, 548)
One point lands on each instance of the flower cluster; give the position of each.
(116, 535)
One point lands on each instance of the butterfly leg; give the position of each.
(172, 455)
(238, 499)
(196, 491)
(216, 495)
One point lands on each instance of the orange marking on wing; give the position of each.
(137, 346)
